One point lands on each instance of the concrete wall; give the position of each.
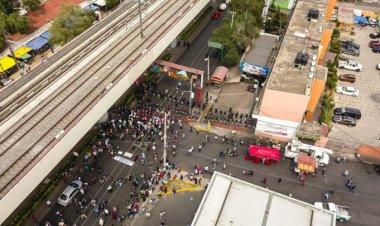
(325, 42)
(316, 92)
(330, 9)
(63, 146)
(283, 105)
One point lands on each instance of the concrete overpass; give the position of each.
(45, 117)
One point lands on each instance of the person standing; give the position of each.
(279, 180)
(265, 180)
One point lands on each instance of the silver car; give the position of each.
(69, 193)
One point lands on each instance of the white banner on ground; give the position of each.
(124, 160)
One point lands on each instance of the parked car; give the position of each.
(349, 43)
(374, 43)
(346, 111)
(342, 213)
(378, 66)
(350, 50)
(376, 49)
(69, 193)
(347, 78)
(345, 120)
(223, 6)
(375, 35)
(216, 15)
(350, 65)
(347, 90)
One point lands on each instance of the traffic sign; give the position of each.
(216, 45)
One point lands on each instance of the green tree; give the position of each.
(112, 3)
(71, 22)
(16, 23)
(6, 6)
(31, 4)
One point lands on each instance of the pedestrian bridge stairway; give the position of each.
(205, 112)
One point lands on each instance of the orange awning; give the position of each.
(306, 163)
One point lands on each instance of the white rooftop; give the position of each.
(230, 201)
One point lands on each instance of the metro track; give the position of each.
(66, 57)
(51, 107)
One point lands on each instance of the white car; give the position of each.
(347, 90)
(69, 193)
(223, 7)
(378, 67)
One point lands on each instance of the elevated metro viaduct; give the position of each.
(46, 125)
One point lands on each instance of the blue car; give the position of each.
(376, 49)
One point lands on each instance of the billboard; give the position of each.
(254, 69)
(275, 127)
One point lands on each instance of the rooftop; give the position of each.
(230, 201)
(346, 13)
(303, 36)
(260, 52)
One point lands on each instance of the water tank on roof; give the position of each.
(313, 14)
(301, 58)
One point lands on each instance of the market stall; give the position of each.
(263, 155)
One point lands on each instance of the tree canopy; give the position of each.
(31, 4)
(71, 22)
(246, 25)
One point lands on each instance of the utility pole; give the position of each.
(165, 137)
(141, 28)
(207, 58)
(191, 93)
(10, 48)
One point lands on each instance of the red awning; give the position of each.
(306, 163)
(219, 74)
(264, 152)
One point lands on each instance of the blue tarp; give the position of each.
(46, 35)
(92, 7)
(360, 19)
(37, 43)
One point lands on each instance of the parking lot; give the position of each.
(347, 139)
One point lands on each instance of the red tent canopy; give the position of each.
(264, 152)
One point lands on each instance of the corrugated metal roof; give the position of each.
(230, 201)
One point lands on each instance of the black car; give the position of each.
(350, 50)
(376, 49)
(377, 168)
(346, 120)
(350, 44)
(375, 35)
(346, 111)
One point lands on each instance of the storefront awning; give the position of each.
(25, 56)
(264, 152)
(6, 63)
(37, 43)
(22, 51)
(46, 35)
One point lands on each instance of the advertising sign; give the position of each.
(254, 69)
(275, 127)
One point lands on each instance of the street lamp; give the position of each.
(233, 14)
(207, 59)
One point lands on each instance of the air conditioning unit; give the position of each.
(308, 90)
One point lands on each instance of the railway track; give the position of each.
(31, 138)
(45, 74)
